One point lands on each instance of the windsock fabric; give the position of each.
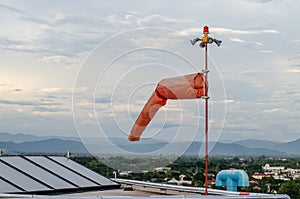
(184, 87)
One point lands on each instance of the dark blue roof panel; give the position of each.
(62, 171)
(20, 179)
(38, 172)
(42, 174)
(83, 170)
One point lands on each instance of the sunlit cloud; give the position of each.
(274, 110)
(266, 51)
(26, 102)
(227, 101)
(293, 70)
(243, 32)
(255, 71)
(217, 30)
(49, 59)
(237, 40)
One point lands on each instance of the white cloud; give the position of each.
(293, 70)
(49, 59)
(242, 32)
(56, 89)
(217, 30)
(266, 51)
(273, 110)
(237, 40)
(190, 31)
(255, 71)
(161, 18)
(258, 43)
(227, 101)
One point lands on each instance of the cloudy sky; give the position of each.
(86, 68)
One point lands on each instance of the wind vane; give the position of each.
(191, 86)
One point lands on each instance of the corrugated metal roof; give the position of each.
(213, 193)
(48, 174)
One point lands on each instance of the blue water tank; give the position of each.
(232, 178)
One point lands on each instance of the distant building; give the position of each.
(163, 169)
(292, 173)
(125, 173)
(211, 181)
(256, 188)
(173, 181)
(253, 181)
(278, 173)
(274, 170)
(181, 181)
(280, 177)
(212, 175)
(296, 176)
(259, 176)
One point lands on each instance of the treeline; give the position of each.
(194, 168)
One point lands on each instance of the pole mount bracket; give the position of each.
(204, 97)
(205, 71)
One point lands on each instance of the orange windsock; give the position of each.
(184, 87)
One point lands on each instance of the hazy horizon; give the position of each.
(125, 138)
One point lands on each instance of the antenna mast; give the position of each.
(204, 44)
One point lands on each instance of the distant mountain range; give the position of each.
(49, 146)
(22, 143)
(20, 137)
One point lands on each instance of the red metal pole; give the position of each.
(206, 125)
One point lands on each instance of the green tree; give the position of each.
(291, 188)
(198, 180)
